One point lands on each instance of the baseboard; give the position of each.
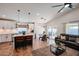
(5, 42)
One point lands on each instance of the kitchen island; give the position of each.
(21, 41)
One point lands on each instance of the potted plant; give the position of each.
(23, 32)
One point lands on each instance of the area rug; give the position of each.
(42, 52)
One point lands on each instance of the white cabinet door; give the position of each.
(5, 38)
(2, 38)
(9, 37)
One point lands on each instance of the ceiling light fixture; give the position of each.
(42, 18)
(38, 14)
(18, 14)
(18, 10)
(21, 13)
(67, 5)
(29, 13)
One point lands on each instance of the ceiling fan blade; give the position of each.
(57, 6)
(70, 6)
(61, 9)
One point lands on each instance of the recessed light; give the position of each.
(38, 14)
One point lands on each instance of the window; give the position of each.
(52, 31)
(49, 31)
(72, 28)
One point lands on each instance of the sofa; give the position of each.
(69, 40)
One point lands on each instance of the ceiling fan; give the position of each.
(69, 5)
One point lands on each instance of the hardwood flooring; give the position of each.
(39, 44)
(6, 49)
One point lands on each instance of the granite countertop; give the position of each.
(22, 34)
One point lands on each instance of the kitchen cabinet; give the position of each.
(7, 27)
(7, 24)
(5, 37)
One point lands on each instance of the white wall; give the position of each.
(39, 29)
(59, 22)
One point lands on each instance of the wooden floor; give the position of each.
(39, 44)
(6, 49)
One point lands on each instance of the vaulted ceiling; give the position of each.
(29, 12)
